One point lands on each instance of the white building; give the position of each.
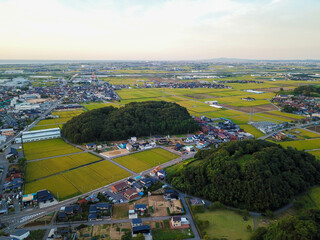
(20, 234)
(39, 135)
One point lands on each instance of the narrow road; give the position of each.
(190, 218)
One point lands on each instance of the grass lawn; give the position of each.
(54, 184)
(226, 224)
(47, 148)
(303, 144)
(311, 199)
(120, 211)
(171, 234)
(141, 161)
(177, 167)
(51, 166)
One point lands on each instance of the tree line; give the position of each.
(135, 119)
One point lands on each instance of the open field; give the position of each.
(91, 106)
(43, 168)
(55, 184)
(47, 148)
(120, 211)
(67, 114)
(303, 144)
(138, 162)
(226, 224)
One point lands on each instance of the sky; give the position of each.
(159, 29)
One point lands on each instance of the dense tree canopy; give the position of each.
(253, 174)
(307, 90)
(303, 227)
(135, 119)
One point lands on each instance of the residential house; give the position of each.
(179, 222)
(140, 208)
(119, 187)
(136, 222)
(170, 194)
(44, 196)
(144, 229)
(130, 194)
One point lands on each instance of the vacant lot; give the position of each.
(56, 185)
(226, 224)
(138, 162)
(120, 211)
(51, 166)
(47, 148)
(303, 144)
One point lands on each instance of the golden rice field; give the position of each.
(80, 180)
(55, 184)
(92, 106)
(141, 161)
(47, 167)
(303, 144)
(44, 127)
(139, 93)
(47, 148)
(251, 129)
(284, 114)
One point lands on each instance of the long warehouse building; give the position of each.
(39, 135)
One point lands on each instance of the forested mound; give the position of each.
(135, 119)
(253, 174)
(303, 227)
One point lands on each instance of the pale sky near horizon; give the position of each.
(159, 29)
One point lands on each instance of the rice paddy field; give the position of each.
(55, 184)
(315, 153)
(44, 127)
(251, 129)
(47, 167)
(47, 148)
(141, 161)
(303, 144)
(80, 180)
(91, 106)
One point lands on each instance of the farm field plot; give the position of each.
(251, 129)
(224, 113)
(284, 114)
(67, 114)
(303, 144)
(53, 121)
(126, 101)
(204, 109)
(85, 179)
(43, 168)
(139, 93)
(109, 171)
(243, 119)
(183, 91)
(274, 117)
(315, 153)
(47, 148)
(138, 162)
(303, 133)
(44, 127)
(92, 106)
(55, 184)
(226, 224)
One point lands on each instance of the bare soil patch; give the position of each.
(115, 152)
(315, 128)
(159, 205)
